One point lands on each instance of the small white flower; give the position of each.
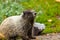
(50, 20)
(57, 0)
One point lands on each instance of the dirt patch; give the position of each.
(51, 36)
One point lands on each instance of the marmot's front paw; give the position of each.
(33, 37)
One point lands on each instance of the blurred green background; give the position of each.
(48, 11)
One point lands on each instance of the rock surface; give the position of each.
(51, 36)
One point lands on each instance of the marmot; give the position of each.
(20, 25)
(38, 28)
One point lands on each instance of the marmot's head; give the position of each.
(29, 14)
(38, 28)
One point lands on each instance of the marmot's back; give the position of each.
(12, 19)
(9, 26)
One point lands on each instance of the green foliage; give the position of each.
(48, 11)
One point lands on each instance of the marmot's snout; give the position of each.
(34, 13)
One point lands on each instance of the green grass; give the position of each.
(46, 10)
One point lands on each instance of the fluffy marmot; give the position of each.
(20, 25)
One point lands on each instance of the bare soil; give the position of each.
(51, 36)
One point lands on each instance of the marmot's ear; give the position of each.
(24, 12)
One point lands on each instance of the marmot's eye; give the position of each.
(35, 13)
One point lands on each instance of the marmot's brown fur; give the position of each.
(18, 26)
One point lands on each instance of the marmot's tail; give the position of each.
(2, 36)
